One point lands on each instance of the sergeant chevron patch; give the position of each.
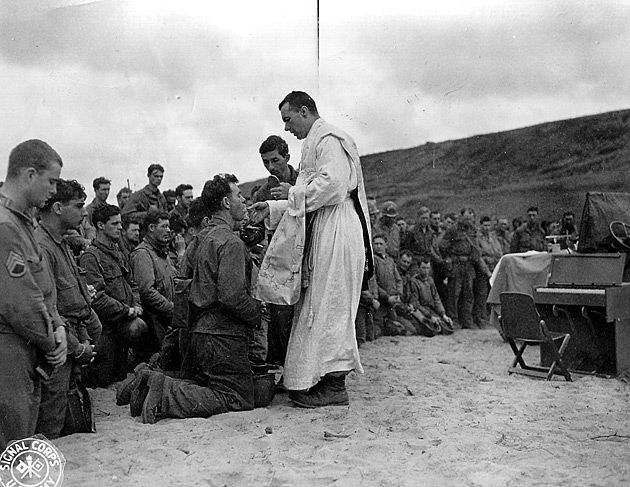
(15, 264)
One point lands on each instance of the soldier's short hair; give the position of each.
(197, 212)
(179, 190)
(103, 213)
(468, 209)
(408, 253)
(126, 221)
(154, 167)
(153, 217)
(425, 259)
(484, 219)
(216, 189)
(98, 181)
(297, 100)
(67, 190)
(169, 193)
(274, 142)
(382, 236)
(423, 210)
(532, 208)
(33, 153)
(123, 190)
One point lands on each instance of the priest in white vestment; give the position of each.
(318, 256)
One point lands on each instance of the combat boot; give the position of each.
(124, 389)
(153, 402)
(330, 391)
(139, 392)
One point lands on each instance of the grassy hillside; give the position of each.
(550, 165)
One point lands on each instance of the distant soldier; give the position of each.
(139, 202)
(530, 235)
(184, 193)
(462, 255)
(491, 253)
(101, 187)
(122, 196)
(504, 236)
(387, 227)
(569, 229)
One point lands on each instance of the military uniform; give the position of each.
(389, 284)
(458, 246)
(154, 273)
(388, 227)
(27, 320)
(217, 372)
(73, 306)
(527, 238)
(140, 201)
(109, 272)
(280, 316)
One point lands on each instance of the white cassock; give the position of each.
(323, 336)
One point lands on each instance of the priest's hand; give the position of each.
(281, 192)
(258, 212)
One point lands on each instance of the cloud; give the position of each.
(115, 85)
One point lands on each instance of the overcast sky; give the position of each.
(194, 85)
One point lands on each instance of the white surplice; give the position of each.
(323, 334)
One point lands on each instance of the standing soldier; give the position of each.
(30, 328)
(491, 252)
(462, 255)
(139, 202)
(530, 235)
(388, 227)
(274, 152)
(61, 213)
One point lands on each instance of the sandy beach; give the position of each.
(428, 411)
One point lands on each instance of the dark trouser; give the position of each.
(20, 389)
(278, 332)
(459, 305)
(218, 378)
(170, 356)
(481, 288)
(439, 275)
(258, 343)
(54, 402)
(363, 323)
(110, 363)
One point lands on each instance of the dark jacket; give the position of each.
(387, 277)
(153, 272)
(527, 238)
(109, 272)
(73, 300)
(459, 243)
(139, 203)
(264, 192)
(27, 303)
(220, 292)
(422, 243)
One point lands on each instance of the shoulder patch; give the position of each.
(16, 267)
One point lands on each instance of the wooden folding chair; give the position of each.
(521, 323)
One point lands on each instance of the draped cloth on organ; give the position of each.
(323, 334)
